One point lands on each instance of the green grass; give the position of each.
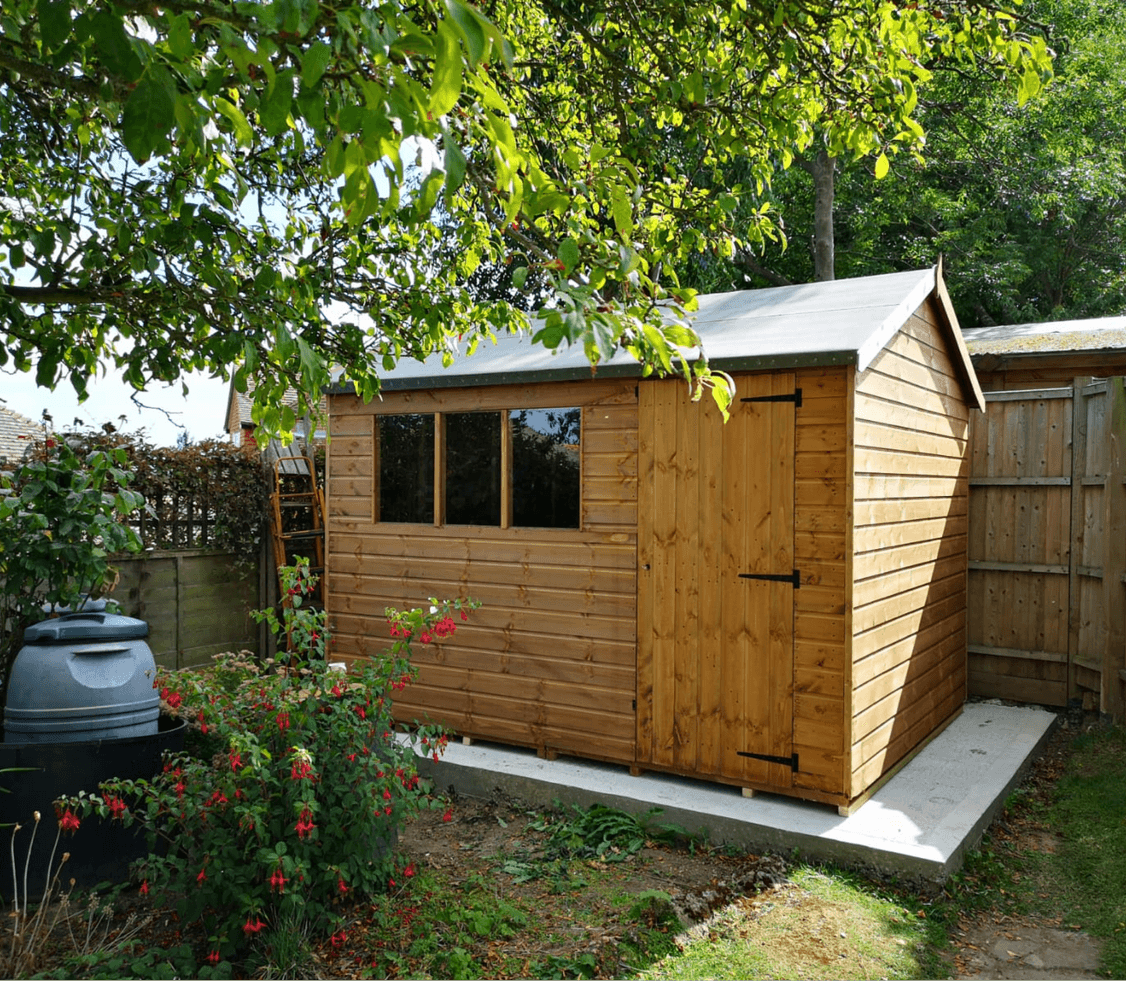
(830, 924)
(520, 913)
(1086, 878)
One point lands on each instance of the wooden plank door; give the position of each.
(716, 581)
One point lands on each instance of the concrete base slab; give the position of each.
(918, 826)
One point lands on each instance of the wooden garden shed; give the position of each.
(776, 603)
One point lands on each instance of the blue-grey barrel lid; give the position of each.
(86, 626)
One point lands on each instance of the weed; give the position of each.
(286, 949)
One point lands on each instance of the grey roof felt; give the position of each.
(1097, 334)
(846, 321)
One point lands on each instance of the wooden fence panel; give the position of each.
(1044, 626)
(1020, 519)
(196, 604)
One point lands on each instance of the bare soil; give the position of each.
(593, 925)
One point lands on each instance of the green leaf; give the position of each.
(240, 128)
(273, 110)
(446, 85)
(149, 115)
(114, 46)
(54, 23)
(623, 211)
(569, 254)
(471, 29)
(314, 62)
(455, 163)
(882, 166)
(180, 37)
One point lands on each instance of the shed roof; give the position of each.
(1099, 334)
(844, 321)
(16, 434)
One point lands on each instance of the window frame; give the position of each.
(506, 461)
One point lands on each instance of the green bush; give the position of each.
(290, 799)
(62, 515)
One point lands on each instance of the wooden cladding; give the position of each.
(549, 659)
(909, 540)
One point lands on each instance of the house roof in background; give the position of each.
(1098, 334)
(845, 321)
(243, 403)
(16, 433)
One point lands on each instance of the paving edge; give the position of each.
(542, 790)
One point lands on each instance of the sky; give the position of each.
(202, 414)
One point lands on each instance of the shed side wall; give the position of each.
(549, 660)
(910, 539)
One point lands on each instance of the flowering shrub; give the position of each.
(292, 796)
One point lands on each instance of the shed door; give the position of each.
(716, 581)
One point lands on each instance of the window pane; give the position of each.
(545, 467)
(473, 468)
(406, 468)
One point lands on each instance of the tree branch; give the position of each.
(748, 264)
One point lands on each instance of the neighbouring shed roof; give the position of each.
(1100, 334)
(16, 434)
(844, 321)
(241, 404)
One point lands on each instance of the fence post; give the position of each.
(1077, 533)
(1114, 552)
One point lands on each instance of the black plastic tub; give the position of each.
(99, 850)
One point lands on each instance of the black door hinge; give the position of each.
(795, 398)
(790, 761)
(794, 578)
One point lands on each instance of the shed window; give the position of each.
(545, 467)
(519, 467)
(473, 470)
(406, 468)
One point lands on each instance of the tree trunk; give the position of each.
(823, 170)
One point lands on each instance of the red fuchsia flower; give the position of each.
(283, 721)
(449, 815)
(236, 760)
(145, 888)
(300, 771)
(305, 823)
(277, 880)
(463, 616)
(248, 928)
(338, 938)
(361, 712)
(202, 877)
(386, 794)
(69, 820)
(425, 636)
(341, 885)
(117, 807)
(387, 810)
(337, 692)
(213, 957)
(218, 797)
(409, 870)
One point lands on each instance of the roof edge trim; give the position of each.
(881, 337)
